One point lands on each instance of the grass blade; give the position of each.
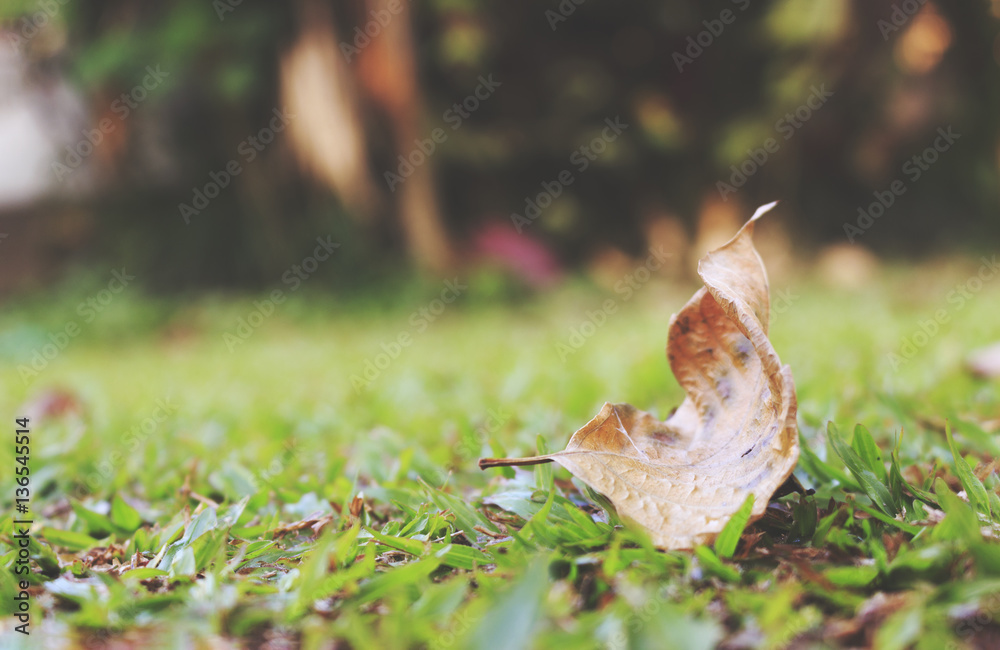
(729, 538)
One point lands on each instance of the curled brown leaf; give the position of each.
(735, 432)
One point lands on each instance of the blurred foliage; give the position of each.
(562, 75)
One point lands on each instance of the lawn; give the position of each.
(306, 476)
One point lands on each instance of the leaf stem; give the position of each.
(485, 463)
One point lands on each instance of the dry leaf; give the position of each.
(734, 434)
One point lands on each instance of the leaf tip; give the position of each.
(762, 210)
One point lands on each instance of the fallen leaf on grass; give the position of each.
(735, 433)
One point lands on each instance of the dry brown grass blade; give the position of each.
(735, 432)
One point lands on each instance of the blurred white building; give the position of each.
(39, 115)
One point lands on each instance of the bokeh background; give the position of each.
(117, 118)
(295, 266)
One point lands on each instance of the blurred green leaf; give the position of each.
(711, 564)
(974, 488)
(460, 557)
(509, 624)
(961, 522)
(864, 444)
(869, 481)
(729, 537)
(124, 516)
(853, 577)
(414, 575)
(95, 524)
(68, 539)
(144, 573)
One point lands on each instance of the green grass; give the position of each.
(274, 501)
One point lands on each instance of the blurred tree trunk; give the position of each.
(322, 90)
(327, 128)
